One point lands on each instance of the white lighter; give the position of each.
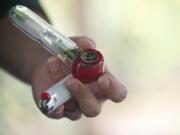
(86, 65)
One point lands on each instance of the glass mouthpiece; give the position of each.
(39, 30)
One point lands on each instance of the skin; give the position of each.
(26, 60)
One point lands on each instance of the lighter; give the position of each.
(86, 65)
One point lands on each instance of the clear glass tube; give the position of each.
(85, 65)
(44, 33)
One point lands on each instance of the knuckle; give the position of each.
(117, 99)
(75, 118)
(87, 38)
(90, 40)
(54, 116)
(56, 76)
(92, 112)
(74, 115)
(124, 92)
(120, 97)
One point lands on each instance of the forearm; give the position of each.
(18, 53)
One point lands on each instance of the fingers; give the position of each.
(55, 72)
(57, 114)
(84, 42)
(73, 115)
(55, 68)
(87, 102)
(112, 88)
(71, 110)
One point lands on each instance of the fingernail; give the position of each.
(104, 82)
(60, 110)
(53, 65)
(72, 85)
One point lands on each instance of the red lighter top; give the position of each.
(45, 96)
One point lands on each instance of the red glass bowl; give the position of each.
(88, 66)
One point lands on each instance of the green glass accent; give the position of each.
(19, 15)
(71, 54)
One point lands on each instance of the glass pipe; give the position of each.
(86, 65)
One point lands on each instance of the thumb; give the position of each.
(55, 69)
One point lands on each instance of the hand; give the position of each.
(86, 99)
